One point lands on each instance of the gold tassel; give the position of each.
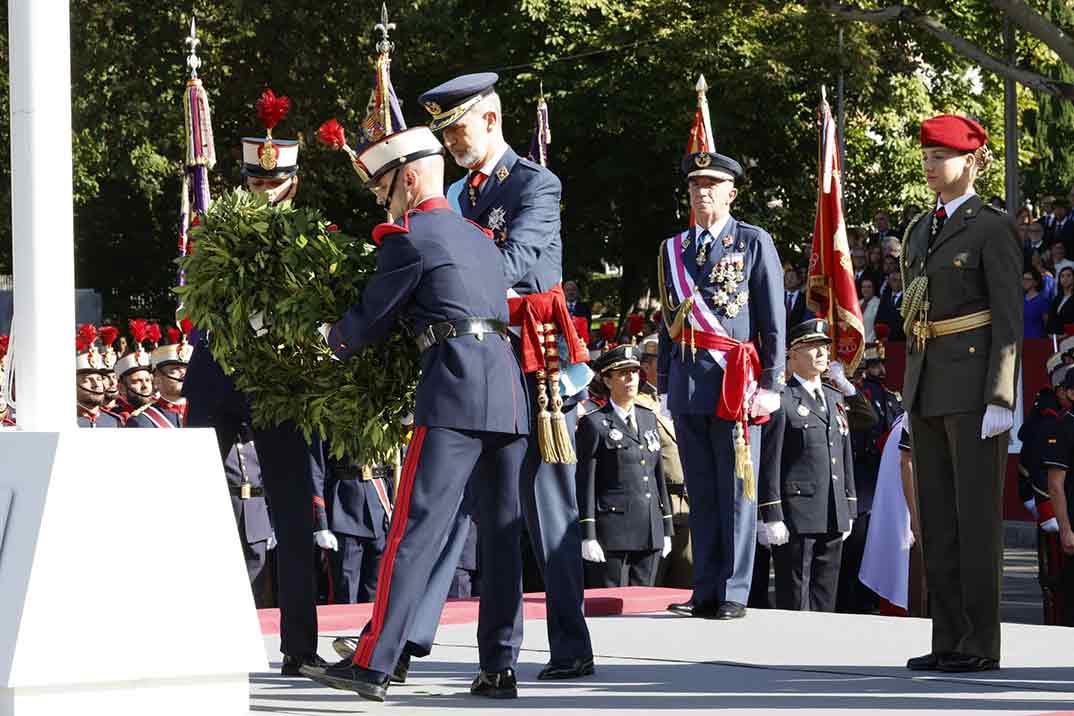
(545, 436)
(561, 437)
(743, 464)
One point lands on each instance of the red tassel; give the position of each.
(87, 334)
(153, 333)
(331, 134)
(173, 335)
(186, 326)
(109, 334)
(139, 327)
(272, 109)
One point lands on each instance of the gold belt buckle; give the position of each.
(245, 491)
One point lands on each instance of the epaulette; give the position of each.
(382, 230)
(597, 409)
(530, 164)
(906, 234)
(999, 210)
(643, 406)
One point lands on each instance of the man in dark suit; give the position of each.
(794, 300)
(442, 277)
(519, 201)
(575, 304)
(890, 311)
(807, 498)
(622, 496)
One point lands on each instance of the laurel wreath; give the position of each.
(293, 266)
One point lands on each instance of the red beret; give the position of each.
(949, 130)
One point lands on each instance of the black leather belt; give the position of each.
(379, 472)
(677, 488)
(251, 491)
(437, 332)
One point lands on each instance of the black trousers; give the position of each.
(354, 568)
(256, 556)
(624, 569)
(287, 463)
(762, 564)
(807, 572)
(853, 596)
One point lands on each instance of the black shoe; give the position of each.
(573, 670)
(962, 663)
(731, 610)
(689, 609)
(345, 675)
(293, 664)
(928, 662)
(345, 646)
(402, 668)
(501, 685)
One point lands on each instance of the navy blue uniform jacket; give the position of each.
(437, 266)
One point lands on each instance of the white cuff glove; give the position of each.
(847, 533)
(838, 376)
(667, 547)
(763, 537)
(326, 540)
(591, 551)
(777, 533)
(271, 542)
(997, 420)
(259, 324)
(765, 403)
(1051, 526)
(1031, 507)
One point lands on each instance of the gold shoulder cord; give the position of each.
(915, 305)
(673, 316)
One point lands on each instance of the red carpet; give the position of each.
(598, 603)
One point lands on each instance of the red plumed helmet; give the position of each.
(636, 324)
(581, 327)
(882, 331)
(607, 329)
(109, 334)
(331, 134)
(138, 327)
(86, 336)
(272, 109)
(153, 333)
(186, 326)
(173, 335)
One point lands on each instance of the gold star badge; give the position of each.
(433, 107)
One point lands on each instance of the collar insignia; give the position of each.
(502, 173)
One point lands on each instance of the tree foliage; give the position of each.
(619, 76)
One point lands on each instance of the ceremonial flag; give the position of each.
(831, 293)
(701, 132)
(200, 154)
(542, 134)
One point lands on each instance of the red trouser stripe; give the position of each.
(368, 641)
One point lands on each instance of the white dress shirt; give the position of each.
(952, 206)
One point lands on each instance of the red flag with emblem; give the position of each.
(701, 131)
(831, 293)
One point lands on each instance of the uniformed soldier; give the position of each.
(677, 569)
(7, 419)
(853, 596)
(1040, 435)
(622, 496)
(89, 383)
(963, 321)
(108, 336)
(442, 277)
(169, 371)
(519, 201)
(135, 375)
(289, 465)
(723, 329)
(807, 497)
(357, 511)
(1057, 573)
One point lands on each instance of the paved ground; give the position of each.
(770, 663)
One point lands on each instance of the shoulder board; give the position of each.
(998, 210)
(530, 164)
(135, 413)
(643, 406)
(380, 231)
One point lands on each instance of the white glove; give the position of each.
(777, 533)
(765, 403)
(847, 533)
(271, 542)
(1031, 507)
(764, 537)
(910, 539)
(997, 420)
(326, 540)
(591, 551)
(838, 376)
(1050, 525)
(667, 547)
(259, 324)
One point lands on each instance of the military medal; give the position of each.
(652, 441)
(702, 255)
(803, 410)
(728, 240)
(614, 434)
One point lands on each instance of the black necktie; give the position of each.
(939, 218)
(819, 396)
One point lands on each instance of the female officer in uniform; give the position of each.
(622, 496)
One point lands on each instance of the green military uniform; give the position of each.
(964, 331)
